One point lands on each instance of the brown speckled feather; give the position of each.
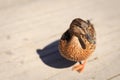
(76, 44)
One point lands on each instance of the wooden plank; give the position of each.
(29, 34)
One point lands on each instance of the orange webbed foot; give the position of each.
(79, 68)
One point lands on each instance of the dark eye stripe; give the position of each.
(77, 24)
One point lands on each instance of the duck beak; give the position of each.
(90, 39)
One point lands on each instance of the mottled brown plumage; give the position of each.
(78, 42)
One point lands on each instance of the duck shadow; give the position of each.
(50, 56)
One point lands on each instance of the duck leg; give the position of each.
(79, 67)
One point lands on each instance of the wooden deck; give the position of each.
(30, 31)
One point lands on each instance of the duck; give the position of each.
(78, 42)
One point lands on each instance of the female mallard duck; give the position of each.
(78, 42)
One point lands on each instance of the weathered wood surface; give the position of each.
(29, 34)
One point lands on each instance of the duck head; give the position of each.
(84, 29)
